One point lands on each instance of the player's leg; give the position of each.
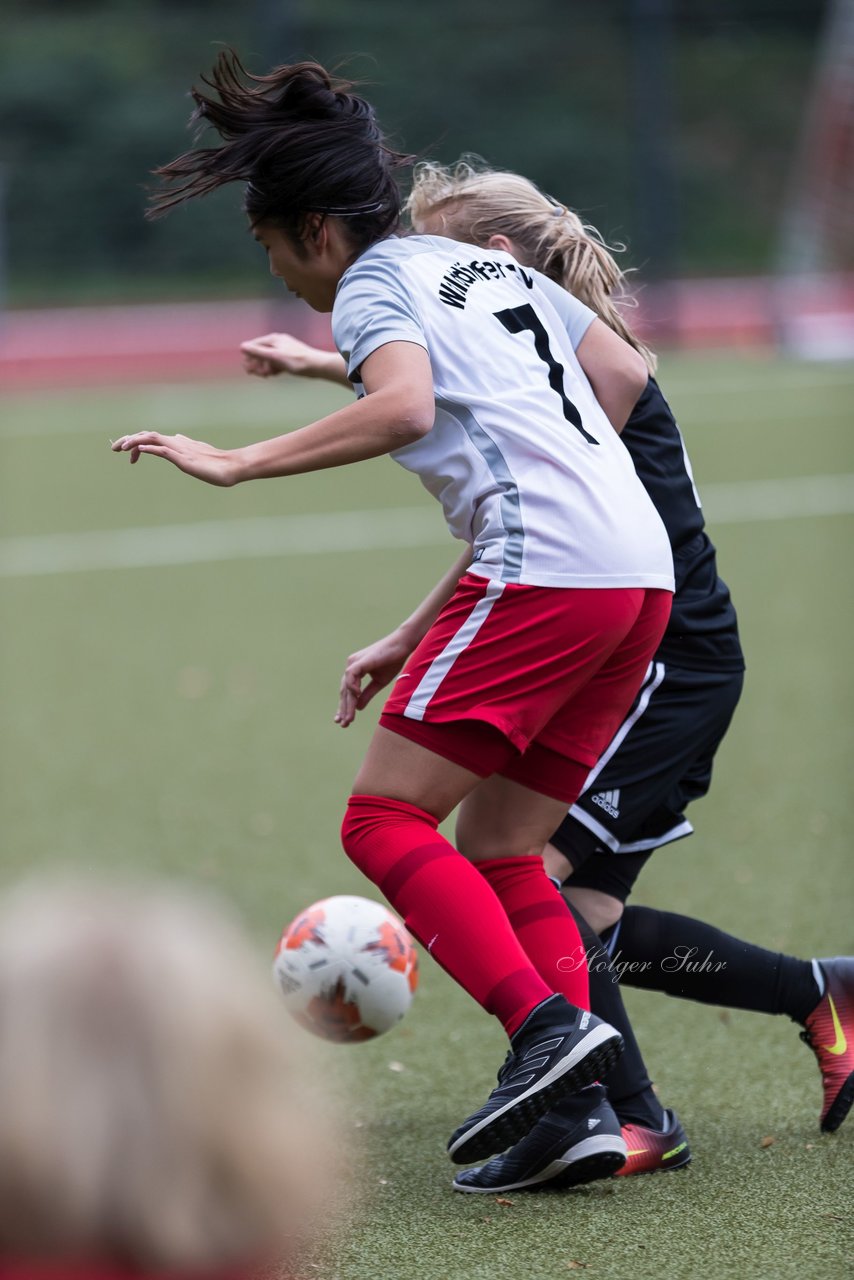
(650, 750)
(654, 1137)
(579, 1140)
(601, 910)
(558, 1148)
(693, 960)
(502, 828)
(583, 1138)
(518, 657)
(401, 794)
(503, 824)
(643, 777)
(390, 832)
(458, 713)
(633, 801)
(679, 955)
(496, 666)
(630, 1088)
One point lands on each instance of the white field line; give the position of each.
(154, 408)
(391, 529)
(744, 501)
(215, 540)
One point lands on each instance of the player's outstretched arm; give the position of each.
(382, 660)
(276, 353)
(397, 410)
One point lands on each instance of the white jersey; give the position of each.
(526, 465)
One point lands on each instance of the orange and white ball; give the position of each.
(347, 967)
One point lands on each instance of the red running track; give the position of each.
(69, 347)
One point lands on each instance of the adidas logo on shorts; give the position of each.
(609, 801)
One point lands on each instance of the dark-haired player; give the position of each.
(501, 392)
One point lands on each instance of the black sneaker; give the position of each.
(579, 1141)
(557, 1050)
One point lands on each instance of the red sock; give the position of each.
(445, 903)
(542, 922)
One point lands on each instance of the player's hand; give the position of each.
(380, 661)
(194, 457)
(281, 353)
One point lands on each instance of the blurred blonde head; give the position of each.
(152, 1100)
(470, 202)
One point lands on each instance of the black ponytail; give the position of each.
(300, 141)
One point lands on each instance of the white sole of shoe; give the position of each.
(607, 1150)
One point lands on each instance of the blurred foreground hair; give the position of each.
(474, 202)
(302, 143)
(153, 1111)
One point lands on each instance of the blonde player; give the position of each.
(661, 758)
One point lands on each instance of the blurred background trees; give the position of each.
(670, 124)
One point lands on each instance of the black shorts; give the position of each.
(659, 760)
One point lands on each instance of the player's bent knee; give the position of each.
(600, 910)
(375, 826)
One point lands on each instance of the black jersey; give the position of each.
(703, 629)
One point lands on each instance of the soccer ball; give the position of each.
(347, 968)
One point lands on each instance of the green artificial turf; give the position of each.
(177, 719)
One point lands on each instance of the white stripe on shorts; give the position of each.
(652, 679)
(441, 665)
(610, 841)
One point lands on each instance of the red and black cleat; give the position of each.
(655, 1150)
(829, 1032)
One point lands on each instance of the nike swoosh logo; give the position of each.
(641, 1151)
(840, 1044)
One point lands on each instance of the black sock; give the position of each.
(660, 951)
(629, 1087)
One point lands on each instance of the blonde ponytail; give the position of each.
(471, 202)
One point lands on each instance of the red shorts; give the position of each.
(529, 682)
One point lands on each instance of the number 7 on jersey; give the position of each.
(517, 319)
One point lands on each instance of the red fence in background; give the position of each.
(178, 342)
(813, 317)
(810, 316)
